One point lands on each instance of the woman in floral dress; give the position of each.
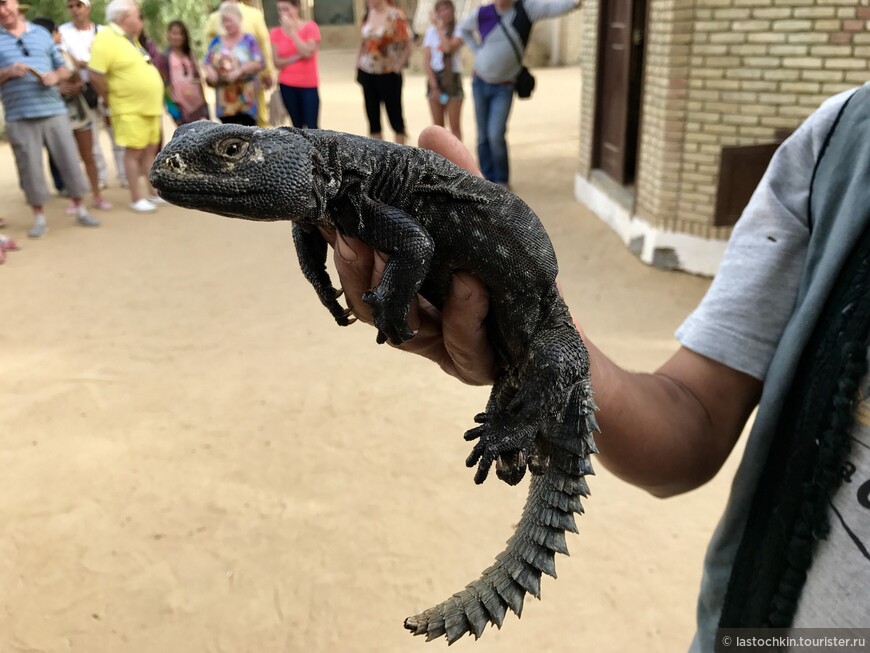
(232, 65)
(383, 54)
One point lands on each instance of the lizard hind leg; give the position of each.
(525, 402)
(501, 438)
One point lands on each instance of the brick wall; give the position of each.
(588, 67)
(730, 72)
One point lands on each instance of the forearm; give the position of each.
(305, 48)
(449, 44)
(540, 9)
(670, 431)
(63, 73)
(251, 68)
(283, 62)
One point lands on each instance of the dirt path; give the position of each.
(193, 458)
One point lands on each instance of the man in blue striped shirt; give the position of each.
(30, 69)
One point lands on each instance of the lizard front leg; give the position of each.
(311, 248)
(410, 249)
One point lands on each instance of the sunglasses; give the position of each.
(19, 42)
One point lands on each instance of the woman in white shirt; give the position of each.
(443, 67)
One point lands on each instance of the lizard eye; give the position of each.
(232, 148)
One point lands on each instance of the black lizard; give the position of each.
(432, 218)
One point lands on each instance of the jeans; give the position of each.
(302, 104)
(492, 106)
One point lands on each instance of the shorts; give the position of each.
(135, 131)
(454, 79)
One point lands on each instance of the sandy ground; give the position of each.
(194, 458)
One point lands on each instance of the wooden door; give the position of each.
(619, 87)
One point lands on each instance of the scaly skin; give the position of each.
(432, 218)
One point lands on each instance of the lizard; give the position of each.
(432, 218)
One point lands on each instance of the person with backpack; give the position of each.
(497, 34)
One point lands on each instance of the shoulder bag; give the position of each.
(525, 82)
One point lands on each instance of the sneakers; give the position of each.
(156, 200)
(71, 208)
(143, 206)
(87, 220)
(37, 230)
(102, 204)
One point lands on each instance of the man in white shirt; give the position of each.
(77, 36)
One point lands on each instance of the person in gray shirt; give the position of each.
(486, 31)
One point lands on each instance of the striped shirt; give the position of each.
(26, 97)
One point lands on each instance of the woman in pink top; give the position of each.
(294, 52)
(181, 75)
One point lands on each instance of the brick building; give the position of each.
(684, 102)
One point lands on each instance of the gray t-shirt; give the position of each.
(740, 322)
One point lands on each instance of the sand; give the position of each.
(193, 457)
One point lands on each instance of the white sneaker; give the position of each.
(156, 200)
(143, 206)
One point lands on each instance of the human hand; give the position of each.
(17, 70)
(50, 78)
(291, 24)
(455, 338)
(267, 80)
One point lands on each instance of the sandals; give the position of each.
(7, 244)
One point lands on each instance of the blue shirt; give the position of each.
(26, 97)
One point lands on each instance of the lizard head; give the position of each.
(240, 172)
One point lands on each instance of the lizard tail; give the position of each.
(553, 498)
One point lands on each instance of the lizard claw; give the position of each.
(344, 317)
(339, 292)
(511, 467)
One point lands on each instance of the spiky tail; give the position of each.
(554, 497)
